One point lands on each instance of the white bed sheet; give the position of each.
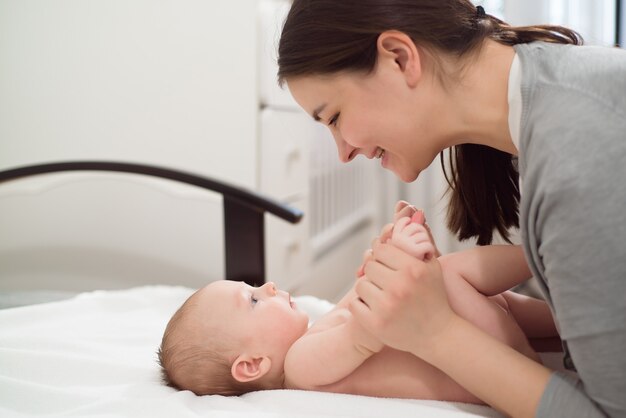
(94, 356)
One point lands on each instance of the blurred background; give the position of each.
(189, 85)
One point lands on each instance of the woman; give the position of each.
(403, 80)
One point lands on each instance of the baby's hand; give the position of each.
(413, 238)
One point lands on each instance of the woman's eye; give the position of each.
(333, 120)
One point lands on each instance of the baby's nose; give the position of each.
(270, 288)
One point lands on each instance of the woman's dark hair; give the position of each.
(327, 36)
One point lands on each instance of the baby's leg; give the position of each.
(535, 319)
(489, 314)
(533, 315)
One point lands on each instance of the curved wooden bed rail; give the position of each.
(244, 229)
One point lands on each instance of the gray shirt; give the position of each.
(572, 164)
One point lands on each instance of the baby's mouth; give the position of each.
(380, 154)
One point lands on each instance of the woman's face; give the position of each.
(378, 115)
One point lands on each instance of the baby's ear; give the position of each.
(247, 368)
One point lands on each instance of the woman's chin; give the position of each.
(407, 177)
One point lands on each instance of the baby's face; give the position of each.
(263, 318)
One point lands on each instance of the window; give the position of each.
(620, 23)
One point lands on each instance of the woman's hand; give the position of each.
(384, 236)
(402, 300)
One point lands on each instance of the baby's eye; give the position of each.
(333, 120)
(253, 300)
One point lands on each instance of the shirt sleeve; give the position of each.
(584, 262)
(576, 236)
(566, 396)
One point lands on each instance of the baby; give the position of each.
(230, 338)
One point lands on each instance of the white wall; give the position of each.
(179, 83)
(163, 81)
(168, 82)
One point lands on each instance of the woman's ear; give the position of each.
(398, 49)
(247, 368)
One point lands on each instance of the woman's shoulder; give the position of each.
(584, 67)
(552, 50)
(574, 111)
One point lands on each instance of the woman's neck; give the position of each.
(479, 99)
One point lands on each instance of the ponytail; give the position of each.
(483, 181)
(484, 192)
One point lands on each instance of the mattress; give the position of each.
(95, 355)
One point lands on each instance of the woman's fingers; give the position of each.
(389, 256)
(385, 235)
(405, 309)
(368, 292)
(386, 232)
(367, 256)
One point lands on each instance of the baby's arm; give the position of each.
(326, 355)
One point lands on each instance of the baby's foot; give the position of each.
(413, 238)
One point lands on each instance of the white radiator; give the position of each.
(343, 197)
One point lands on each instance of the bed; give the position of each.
(94, 353)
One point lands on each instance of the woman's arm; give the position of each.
(490, 269)
(492, 371)
(330, 354)
(403, 302)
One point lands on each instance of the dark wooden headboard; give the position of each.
(244, 228)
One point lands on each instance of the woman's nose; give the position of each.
(346, 151)
(269, 288)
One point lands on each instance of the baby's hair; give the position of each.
(201, 365)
